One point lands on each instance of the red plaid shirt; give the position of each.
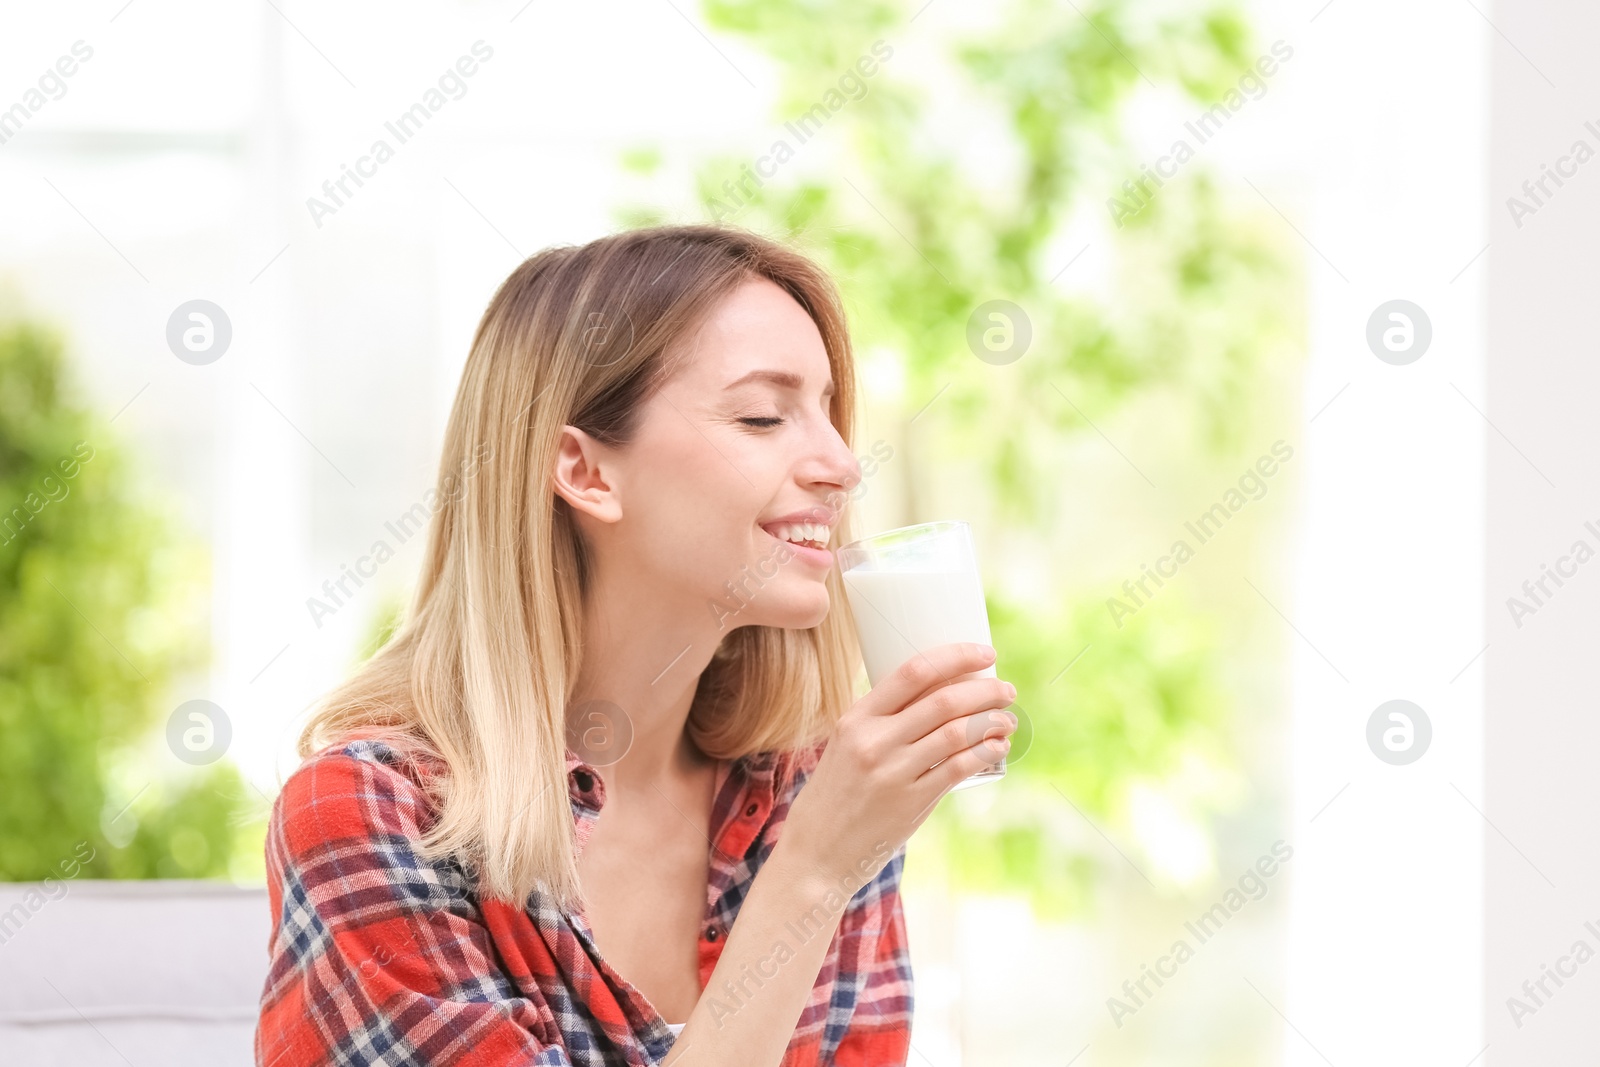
(380, 957)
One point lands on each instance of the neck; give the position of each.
(645, 656)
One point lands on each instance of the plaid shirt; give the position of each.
(381, 957)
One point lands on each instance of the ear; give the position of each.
(580, 479)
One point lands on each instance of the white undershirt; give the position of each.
(676, 1028)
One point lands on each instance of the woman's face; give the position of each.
(725, 450)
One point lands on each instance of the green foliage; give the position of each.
(186, 825)
(1099, 710)
(1183, 336)
(101, 613)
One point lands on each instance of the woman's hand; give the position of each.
(876, 781)
(875, 784)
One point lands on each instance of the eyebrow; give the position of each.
(786, 379)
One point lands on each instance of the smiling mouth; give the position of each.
(808, 535)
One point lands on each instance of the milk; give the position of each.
(902, 612)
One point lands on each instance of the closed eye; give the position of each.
(763, 421)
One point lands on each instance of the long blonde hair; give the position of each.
(479, 673)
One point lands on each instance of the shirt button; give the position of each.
(711, 933)
(751, 810)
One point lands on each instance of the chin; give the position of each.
(799, 612)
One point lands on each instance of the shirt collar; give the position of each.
(587, 794)
(587, 789)
(757, 773)
(584, 785)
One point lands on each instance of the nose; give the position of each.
(833, 464)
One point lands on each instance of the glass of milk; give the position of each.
(912, 589)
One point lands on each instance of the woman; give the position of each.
(524, 829)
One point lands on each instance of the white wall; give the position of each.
(1542, 870)
(1388, 128)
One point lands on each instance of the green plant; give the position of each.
(102, 610)
(1181, 347)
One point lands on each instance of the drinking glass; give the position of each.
(912, 589)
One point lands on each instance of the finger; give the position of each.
(952, 701)
(925, 671)
(965, 764)
(963, 733)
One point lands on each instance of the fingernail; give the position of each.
(1011, 691)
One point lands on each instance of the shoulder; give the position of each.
(356, 788)
(347, 831)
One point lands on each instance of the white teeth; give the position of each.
(801, 531)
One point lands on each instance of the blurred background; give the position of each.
(1191, 308)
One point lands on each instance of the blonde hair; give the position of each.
(479, 673)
